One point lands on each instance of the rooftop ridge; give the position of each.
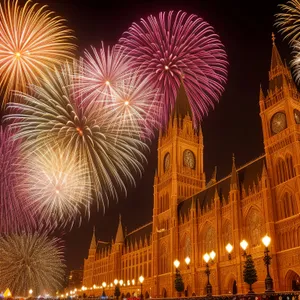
(228, 176)
(135, 230)
(102, 242)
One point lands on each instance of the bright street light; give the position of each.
(176, 263)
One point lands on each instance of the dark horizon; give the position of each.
(234, 125)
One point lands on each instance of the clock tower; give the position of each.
(280, 116)
(179, 175)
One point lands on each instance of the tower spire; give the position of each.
(120, 234)
(279, 75)
(234, 175)
(182, 105)
(93, 244)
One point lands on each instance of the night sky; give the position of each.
(233, 127)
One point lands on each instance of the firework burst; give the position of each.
(101, 71)
(32, 39)
(31, 261)
(16, 213)
(52, 116)
(175, 47)
(58, 185)
(288, 23)
(288, 20)
(135, 105)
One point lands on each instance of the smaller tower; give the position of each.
(93, 245)
(117, 249)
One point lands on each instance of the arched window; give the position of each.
(227, 234)
(255, 227)
(187, 247)
(210, 239)
(290, 166)
(289, 205)
(281, 171)
(163, 260)
(167, 201)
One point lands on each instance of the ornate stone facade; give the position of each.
(191, 217)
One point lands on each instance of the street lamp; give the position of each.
(267, 259)
(244, 246)
(141, 280)
(176, 263)
(212, 255)
(133, 281)
(128, 282)
(121, 282)
(229, 248)
(30, 292)
(104, 286)
(187, 261)
(116, 281)
(207, 257)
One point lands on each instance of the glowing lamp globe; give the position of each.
(121, 282)
(141, 279)
(104, 284)
(266, 240)
(187, 260)
(176, 263)
(229, 248)
(30, 292)
(206, 257)
(133, 281)
(212, 255)
(244, 244)
(116, 281)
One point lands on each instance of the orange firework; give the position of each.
(32, 39)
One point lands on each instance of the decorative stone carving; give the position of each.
(210, 239)
(227, 233)
(254, 226)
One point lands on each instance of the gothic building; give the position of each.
(192, 217)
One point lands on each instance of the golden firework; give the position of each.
(32, 39)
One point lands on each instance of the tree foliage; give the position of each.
(179, 285)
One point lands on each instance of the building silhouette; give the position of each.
(192, 215)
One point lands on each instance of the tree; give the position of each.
(117, 291)
(179, 285)
(250, 275)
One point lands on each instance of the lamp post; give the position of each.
(187, 261)
(141, 280)
(103, 286)
(133, 282)
(207, 257)
(229, 249)
(267, 259)
(30, 292)
(121, 282)
(244, 246)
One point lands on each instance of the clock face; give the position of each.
(297, 116)
(278, 122)
(189, 159)
(167, 162)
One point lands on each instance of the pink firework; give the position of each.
(135, 105)
(176, 47)
(100, 72)
(16, 213)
